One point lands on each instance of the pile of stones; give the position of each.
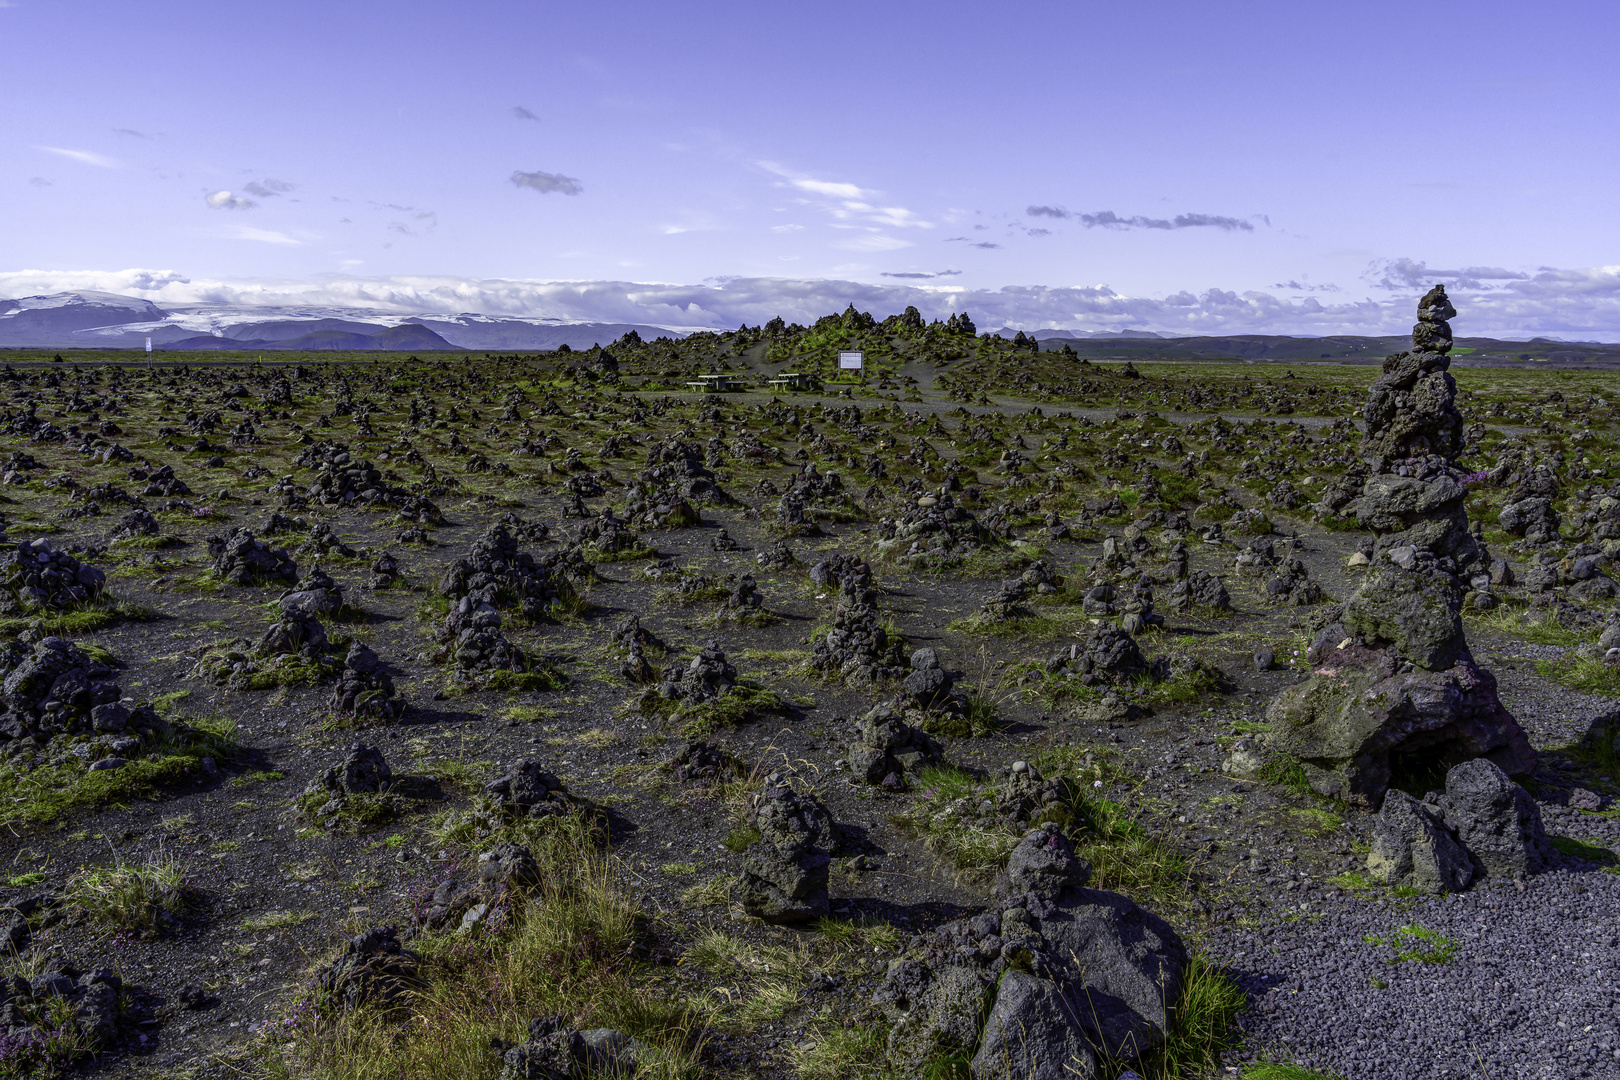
(364, 688)
(709, 677)
(675, 467)
(858, 649)
(52, 688)
(35, 576)
(814, 496)
(929, 689)
(554, 1051)
(34, 1011)
(1050, 979)
(1394, 686)
(499, 573)
(785, 872)
(373, 969)
(703, 763)
(606, 534)
(136, 524)
(632, 639)
(363, 771)
(474, 642)
(936, 527)
(242, 560)
(503, 874)
(1106, 656)
(886, 749)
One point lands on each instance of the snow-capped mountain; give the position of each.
(108, 320)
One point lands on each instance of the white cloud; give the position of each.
(786, 228)
(263, 236)
(269, 188)
(546, 183)
(83, 157)
(224, 200)
(846, 202)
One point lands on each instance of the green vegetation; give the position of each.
(1416, 944)
(566, 948)
(52, 792)
(148, 899)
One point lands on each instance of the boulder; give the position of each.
(1496, 820)
(1412, 846)
(1032, 1033)
(1364, 718)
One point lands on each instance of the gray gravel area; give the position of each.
(1533, 989)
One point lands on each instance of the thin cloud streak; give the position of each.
(83, 157)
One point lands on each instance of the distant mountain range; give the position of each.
(109, 321)
(100, 320)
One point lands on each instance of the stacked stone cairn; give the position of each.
(1394, 691)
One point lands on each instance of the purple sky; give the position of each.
(1293, 167)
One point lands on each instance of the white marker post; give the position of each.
(853, 361)
(149, 353)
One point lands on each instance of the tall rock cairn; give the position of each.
(1414, 495)
(1394, 695)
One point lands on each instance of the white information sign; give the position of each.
(850, 361)
(148, 344)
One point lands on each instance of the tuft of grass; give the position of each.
(1590, 850)
(277, 920)
(741, 838)
(1280, 1070)
(147, 899)
(1416, 944)
(22, 881)
(567, 948)
(840, 1053)
(1287, 773)
(1202, 1023)
(1583, 675)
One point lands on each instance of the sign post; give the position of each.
(853, 361)
(148, 353)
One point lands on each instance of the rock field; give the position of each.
(1008, 713)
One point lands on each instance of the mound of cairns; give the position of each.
(1394, 691)
(785, 872)
(859, 648)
